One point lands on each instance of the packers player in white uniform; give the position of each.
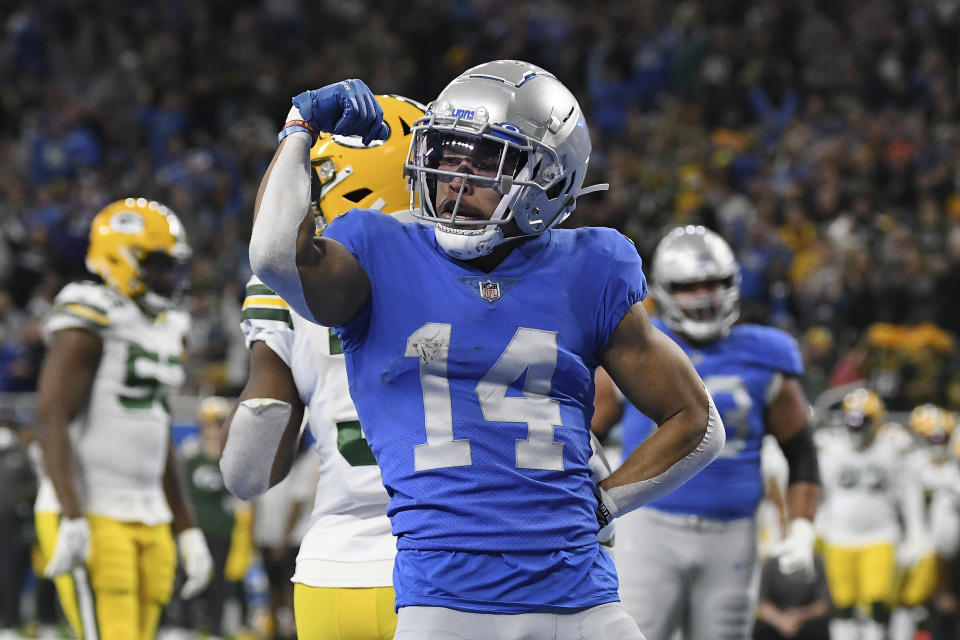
(111, 488)
(867, 492)
(939, 475)
(343, 581)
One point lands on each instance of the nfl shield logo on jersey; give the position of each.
(490, 290)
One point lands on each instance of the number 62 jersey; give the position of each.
(121, 437)
(349, 542)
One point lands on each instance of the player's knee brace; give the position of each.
(880, 612)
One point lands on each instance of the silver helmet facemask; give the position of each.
(508, 126)
(689, 257)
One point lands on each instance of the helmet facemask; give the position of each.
(703, 310)
(165, 276)
(861, 427)
(508, 126)
(696, 283)
(863, 413)
(488, 162)
(934, 426)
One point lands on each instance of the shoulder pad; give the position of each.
(179, 319)
(823, 437)
(85, 305)
(769, 347)
(898, 436)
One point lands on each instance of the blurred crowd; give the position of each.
(820, 138)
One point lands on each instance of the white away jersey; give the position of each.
(349, 542)
(121, 437)
(940, 481)
(862, 490)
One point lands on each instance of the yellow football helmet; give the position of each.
(213, 409)
(349, 175)
(124, 236)
(934, 426)
(863, 413)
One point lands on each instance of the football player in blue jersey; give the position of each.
(688, 559)
(470, 343)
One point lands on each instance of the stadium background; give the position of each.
(819, 137)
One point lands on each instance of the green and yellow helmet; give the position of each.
(213, 409)
(124, 235)
(863, 413)
(935, 427)
(351, 175)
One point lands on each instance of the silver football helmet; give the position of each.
(506, 125)
(690, 256)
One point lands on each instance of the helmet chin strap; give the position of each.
(467, 244)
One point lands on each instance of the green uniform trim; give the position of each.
(256, 313)
(260, 290)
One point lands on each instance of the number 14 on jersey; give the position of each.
(530, 350)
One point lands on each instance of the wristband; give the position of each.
(292, 126)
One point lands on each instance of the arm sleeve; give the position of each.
(285, 202)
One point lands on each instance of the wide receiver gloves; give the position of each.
(197, 562)
(71, 549)
(346, 108)
(795, 552)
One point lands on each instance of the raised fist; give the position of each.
(347, 108)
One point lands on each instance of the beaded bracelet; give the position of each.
(292, 126)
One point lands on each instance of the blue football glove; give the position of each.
(346, 108)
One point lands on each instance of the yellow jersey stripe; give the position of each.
(273, 302)
(82, 311)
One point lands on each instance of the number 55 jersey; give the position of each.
(476, 393)
(120, 438)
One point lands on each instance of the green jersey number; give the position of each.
(141, 379)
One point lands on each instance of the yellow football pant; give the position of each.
(916, 584)
(344, 614)
(130, 571)
(860, 575)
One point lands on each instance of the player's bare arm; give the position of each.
(607, 406)
(788, 420)
(173, 489)
(63, 390)
(270, 379)
(658, 378)
(318, 278)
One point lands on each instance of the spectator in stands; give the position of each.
(16, 509)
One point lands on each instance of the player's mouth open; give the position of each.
(463, 213)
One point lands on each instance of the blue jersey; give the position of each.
(475, 393)
(738, 371)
